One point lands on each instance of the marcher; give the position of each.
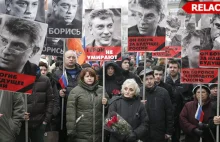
(39, 109)
(191, 126)
(11, 115)
(159, 109)
(84, 109)
(113, 79)
(130, 108)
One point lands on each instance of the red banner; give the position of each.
(209, 58)
(199, 76)
(148, 43)
(202, 7)
(16, 82)
(168, 52)
(103, 53)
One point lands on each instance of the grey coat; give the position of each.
(12, 108)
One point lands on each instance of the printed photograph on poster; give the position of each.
(190, 49)
(146, 19)
(210, 41)
(20, 39)
(21, 44)
(103, 34)
(53, 46)
(64, 18)
(103, 27)
(27, 9)
(147, 22)
(173, 37)
(210, 32)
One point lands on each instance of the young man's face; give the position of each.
(26, 9)
(125, 65)
(147, 21)
(65, 10)
(150, 81)
(174, 70)
(102, 31)
(158, 75)
(14, 51)
(192, 50)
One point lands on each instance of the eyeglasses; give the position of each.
(14, 48)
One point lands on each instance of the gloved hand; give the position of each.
(132, 137)
(202, 126)
(198, 132)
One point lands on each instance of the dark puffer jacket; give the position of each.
(134, 112)
(188, 121)
(40, 102)
(87, 101)
(160, 112)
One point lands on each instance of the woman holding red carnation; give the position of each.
(84, 109)
(130, 108)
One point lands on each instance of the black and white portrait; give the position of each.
(64, 18)
(53, 46)
(210, 32)
(173, 38)
(21, 43)
(27, 9)
(191, 49)
(147, 18)
(103, 27)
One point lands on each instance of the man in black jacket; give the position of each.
(159, 76)
(40, 108)
(182, 94)
(159, 109)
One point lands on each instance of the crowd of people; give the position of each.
(158, 111)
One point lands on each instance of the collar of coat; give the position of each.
(89, 87)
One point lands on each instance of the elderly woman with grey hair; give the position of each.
(129, 107)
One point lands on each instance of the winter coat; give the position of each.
(12, 108)
(114, 82)
(55, 121)
(160, 112)
(182, 94)
(71, 84)
(133, 111)
(40, 102)
(188, 122)
(87, 101)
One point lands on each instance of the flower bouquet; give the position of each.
(117, 124)
(116, 92)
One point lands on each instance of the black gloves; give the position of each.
(198, 132)
(202, 126)
(132, 137)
